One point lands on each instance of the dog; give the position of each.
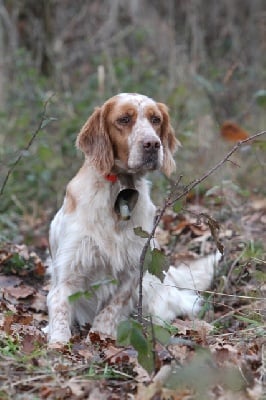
(95, 251)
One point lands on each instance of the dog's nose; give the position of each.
(151, 144)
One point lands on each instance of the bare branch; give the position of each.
(147, 245)
(28, 145)
(171, 199)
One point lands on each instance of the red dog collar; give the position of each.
(111, 178)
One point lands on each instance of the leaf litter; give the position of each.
(220, 355)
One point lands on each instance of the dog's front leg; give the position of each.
(60, 315)
(119, 308)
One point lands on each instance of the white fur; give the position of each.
(178, 293)
(90, 240)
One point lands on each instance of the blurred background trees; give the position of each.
(204, 58)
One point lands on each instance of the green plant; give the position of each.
(94, 286)
(253, 250)
(143, 338)
(16, 264)
(8, 346)
(107, 372)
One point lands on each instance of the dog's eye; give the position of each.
(124, 120)
(155, 120)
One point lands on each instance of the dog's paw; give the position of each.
(104, 327)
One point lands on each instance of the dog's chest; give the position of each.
(106, 245)
(109, 252)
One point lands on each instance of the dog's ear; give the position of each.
(95, 143)
(169, 141)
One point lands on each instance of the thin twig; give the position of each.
(232, 312)
(173, 199)
(26, 148)
(237, 296)
(196, 182)
(147, 244)
(153, 344)
(237, 333)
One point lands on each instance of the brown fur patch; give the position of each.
(170, 143)
(94, 141)
(118, 132)
(152, 111)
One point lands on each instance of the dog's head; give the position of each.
(130, 132)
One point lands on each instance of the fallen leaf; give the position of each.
(98, 338)
(8, 320)
(45, 392)
(232, 132)
(181, 226)
(9, 280)
(115, 355)
(180, 353)
(258, 204)
(142, 375)
(20, 292)
(167, 219)
(56, 346)
(86, 353)
(16, 319)
(198, 230)
(197, 325)
(39, 269)
(4, 256)
(28, 344)
(162, 236)
(38, 302)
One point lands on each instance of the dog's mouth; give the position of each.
(151, 163)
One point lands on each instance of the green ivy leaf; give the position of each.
(76, 296)
(148, 259)
(131, 332)
(178, 205)
(161, 334)
(158, 261)
(97, 284)
(123, 333)
(146, 360)
(137, 339)
(141, 233)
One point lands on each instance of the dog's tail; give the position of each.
(178, 294)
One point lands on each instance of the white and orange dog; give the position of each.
(93, 245)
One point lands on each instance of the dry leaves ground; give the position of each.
(220, 356)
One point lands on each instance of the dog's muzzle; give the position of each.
(151, 147)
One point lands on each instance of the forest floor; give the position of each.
(220, 355)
